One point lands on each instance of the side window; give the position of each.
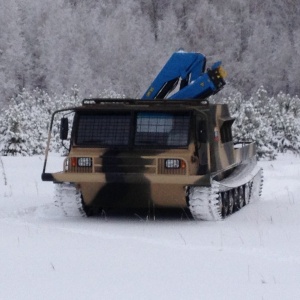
(226, 133)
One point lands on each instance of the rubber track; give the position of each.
(68, 198)
(204, 202)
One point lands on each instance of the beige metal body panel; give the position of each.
(132, 190)
(244, 152)
(131, 178)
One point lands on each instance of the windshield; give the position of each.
(163, 129)
(148, 129)
(103, 130)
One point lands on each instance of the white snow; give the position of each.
(44, 254)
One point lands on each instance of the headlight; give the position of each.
(84, 162)
(172, 163)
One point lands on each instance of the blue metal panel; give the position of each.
(195, 82)
(184, 65)
(200, 88)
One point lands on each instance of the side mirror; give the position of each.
(64, 128)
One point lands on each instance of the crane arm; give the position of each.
(188, 67)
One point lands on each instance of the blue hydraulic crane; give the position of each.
(195, 81)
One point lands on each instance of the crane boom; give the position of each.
(196, 83)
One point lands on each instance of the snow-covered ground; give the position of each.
(44, 254)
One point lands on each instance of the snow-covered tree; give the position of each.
(24, 127)
(273, 122)
(12, 54)
(250, 125)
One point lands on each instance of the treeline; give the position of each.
(120, 45)
(273, 122)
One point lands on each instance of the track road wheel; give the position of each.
(225, 204)
(241, 197)
(247, 193)
(235, 199)
(230, 202)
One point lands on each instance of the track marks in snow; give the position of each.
(6, 189)
(2, 172)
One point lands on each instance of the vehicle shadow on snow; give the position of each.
(141, 215)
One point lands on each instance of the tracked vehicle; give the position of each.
(156, 152)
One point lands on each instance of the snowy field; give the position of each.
(254, 254)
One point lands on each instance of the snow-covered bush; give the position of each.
(273, 122)
(24, 124)
(23, 130)
(286, 122)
